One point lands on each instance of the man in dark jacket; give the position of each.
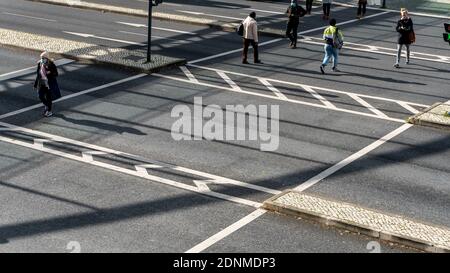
(294, 12)
(406, 36)
(46, 84)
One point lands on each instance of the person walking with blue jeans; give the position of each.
(333, 43)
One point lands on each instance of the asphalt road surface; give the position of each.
(58, 192)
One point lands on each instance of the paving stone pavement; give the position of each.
(134, 59)
(428, 236)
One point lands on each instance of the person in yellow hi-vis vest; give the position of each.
(334, 40)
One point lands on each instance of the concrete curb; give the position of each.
(86, 53)
(416, 243)
(418, 119)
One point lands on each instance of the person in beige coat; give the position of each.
(250, 38)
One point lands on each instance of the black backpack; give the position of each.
(240, 29)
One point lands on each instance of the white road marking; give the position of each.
(140, 170)
(316, 179)
(157, 28)
(311, 182)
(272, 88)
(319, 97)
(23, 110)
(233, 85)
(210, 15)
(189, 75)
(368, 105)
(303, 85)
(278, 98)
(279, 39)
(227, 231)
(266, 11)
(86, 35)
(382, 50)
(408, 107)
(29, 70)
(29, 17)
(157, 37)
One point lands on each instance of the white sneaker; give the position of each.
(48, 114)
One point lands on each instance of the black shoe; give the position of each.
(321, 69)
(244, 62)
(258, 62)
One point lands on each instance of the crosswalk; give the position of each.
(297, 93)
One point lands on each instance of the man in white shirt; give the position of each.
(250, 37)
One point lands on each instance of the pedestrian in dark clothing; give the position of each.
(309, 6)
(406, 36)
(250, 36)
(326, 6)
(362, 5)
(46, 84)
(294, 12)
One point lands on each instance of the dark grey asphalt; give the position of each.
(50, 201)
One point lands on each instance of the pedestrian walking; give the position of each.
(294, 12)
(362, 5)
(406, 36)
(250, 36)
(46, 83)
(334, 40)
(326, 6)
(309, 6)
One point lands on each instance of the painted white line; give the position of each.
(303, 85)
(233, 85)
(23, 110)
(311, 182)
(29, 17)
(368, 105)
(86, 157)
(86, 35)
(266, 11)
(29, 70)
(408, 107)
(227, 231)
(278, 98)
(210, 15)
(156, 37)
(316, 179)
(382, 50)
(318, 96)
(272, 88)
(396, 11)
(189, 75)
(157, 28)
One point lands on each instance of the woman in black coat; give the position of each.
(406, 36)
(46, 84)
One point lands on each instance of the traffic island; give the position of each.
(386, 227)
(134, 59)
(437, 116)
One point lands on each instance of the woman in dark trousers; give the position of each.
(326, 6)
(406, 36)
(362, 4)
(46, 84)
(309, 6)
(294, 12)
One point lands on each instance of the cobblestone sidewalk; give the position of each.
(377, 224)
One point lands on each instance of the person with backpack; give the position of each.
(362, 6)
(250, 36)
(309, 6)
(46, 84)
(326, 6)
(294, 12)
(334, 40)
(406, 36)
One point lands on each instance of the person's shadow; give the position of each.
(102, 126)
